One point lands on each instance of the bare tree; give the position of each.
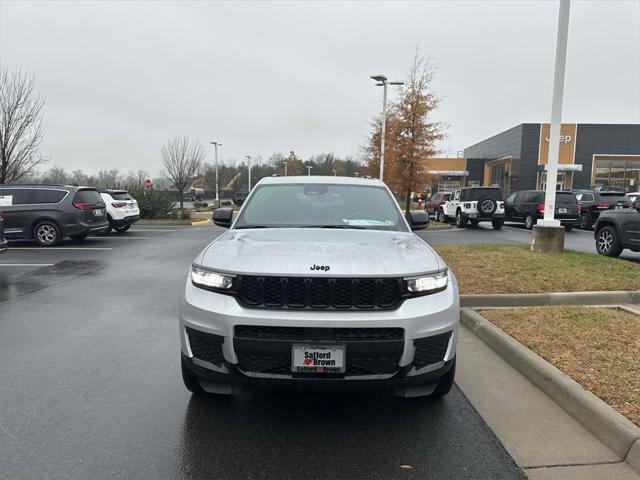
(182, 159)
(21, 126)
(109, 178)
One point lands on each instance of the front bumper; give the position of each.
(421, 354)
(480, 217)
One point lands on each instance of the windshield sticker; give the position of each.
(363, 222)
(6, 200)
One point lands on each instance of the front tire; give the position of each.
(528, 222)
(607, 242)
(461, 219)
(445, 384)
(190, 379)
(47, 234)
(585, 222)
(123, 228)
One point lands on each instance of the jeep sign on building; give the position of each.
(590, 155)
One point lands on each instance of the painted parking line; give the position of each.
(153, 230)
(46, 249)
(27, 264)
(121, 238)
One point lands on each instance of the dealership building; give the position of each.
(590, 155)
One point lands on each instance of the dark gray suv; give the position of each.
(48, 213)
(616, 230)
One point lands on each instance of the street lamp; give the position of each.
(382, 82)
(552, 240)
(248, 157)
(215, 146)
(309, 167)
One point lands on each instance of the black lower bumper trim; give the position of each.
(126, 221)
(238, 378)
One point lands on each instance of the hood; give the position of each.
(309, 251)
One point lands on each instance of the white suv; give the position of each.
(122, 210)
(475, 205)
(319, 282)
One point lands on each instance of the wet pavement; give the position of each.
(90, 386)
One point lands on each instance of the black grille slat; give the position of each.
(296, 292)
(319, 293)
(305, 333)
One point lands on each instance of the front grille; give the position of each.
(430, 350)
(206, 346)
(279, 363)
(267, 349)
(311, 334)
(320, 293)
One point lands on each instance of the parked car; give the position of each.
(616, 230)
(433, 204)
(593, 202)
(3, 240)
(122, 210)
(475, 205)
(633, 198)
(528, 206)
(48, 213)
(239, 197)
(319, 282)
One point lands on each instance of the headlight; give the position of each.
(207, 279)
(428, 283)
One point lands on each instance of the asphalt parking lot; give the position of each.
(578, 240)
(90, 385)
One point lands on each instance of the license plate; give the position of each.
(317, 359)
(562, 210)
(98, 213)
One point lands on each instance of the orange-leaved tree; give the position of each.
(411, 133)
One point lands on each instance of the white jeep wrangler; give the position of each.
(474, 205)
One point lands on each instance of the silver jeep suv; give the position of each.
(321, 283)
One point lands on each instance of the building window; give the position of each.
(617, 173)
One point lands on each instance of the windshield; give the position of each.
(322, 206)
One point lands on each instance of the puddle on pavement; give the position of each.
(16, 284)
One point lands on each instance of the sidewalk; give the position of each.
(544, 440)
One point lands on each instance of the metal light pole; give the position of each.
(556, 117)
(548, 234)
(309, 170)
(215, 146)
(248, 157)
(382, 82)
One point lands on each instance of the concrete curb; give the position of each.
(540, 299)
(610, 427)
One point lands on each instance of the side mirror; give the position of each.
(223, 217)
(418, 220)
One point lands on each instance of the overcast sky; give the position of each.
(121, 77)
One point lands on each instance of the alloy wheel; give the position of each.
(605, 241)
(46, 234)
